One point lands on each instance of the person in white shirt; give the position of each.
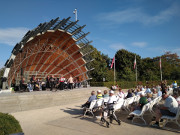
(170, 108)
(70, 81)
(112, 98)
(148, 90)
(177, 97)
(121, 94)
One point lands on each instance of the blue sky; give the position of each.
(146, 27)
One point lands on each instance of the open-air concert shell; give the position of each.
(52, 48)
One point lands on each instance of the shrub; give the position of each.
(130, 84)
(8, 124)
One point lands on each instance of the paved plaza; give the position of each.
(67, 119)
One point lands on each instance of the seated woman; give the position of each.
(121, 94)
(129, 94)
(106, 95)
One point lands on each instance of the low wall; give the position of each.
(15, 102)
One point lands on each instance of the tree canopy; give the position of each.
(148, 69)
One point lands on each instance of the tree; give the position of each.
(100, 65)
(125, 63)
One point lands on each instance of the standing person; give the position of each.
(33, 81)
(170, 108)
(48, 82)
(70, 81)
(51, 82)
(174, 84)
(61, 80)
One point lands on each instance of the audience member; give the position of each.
(177, 97)
(142, 102)
(170, 108)
(91, 98)
(99, 95)
(129, 94)
(70, 81)
(149, 97)
(121, 94)
(105, 94)
(148, 90)
(154, 94)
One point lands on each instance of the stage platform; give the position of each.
(15, 102)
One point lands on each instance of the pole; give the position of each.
(160, 68)
(161, 74)
(114, 70)
(136, 69)
(75, 12)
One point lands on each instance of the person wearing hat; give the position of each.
(112, 97)
(174, 84)
(170, 108)
(99, 95)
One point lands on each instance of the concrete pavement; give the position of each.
(68, 120)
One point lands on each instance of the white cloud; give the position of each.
(139, 44)
(138, 15)
(117, 46)
(177, 50)
(11, 36)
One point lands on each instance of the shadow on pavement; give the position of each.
(122, 115)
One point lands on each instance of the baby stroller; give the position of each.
(109, 113)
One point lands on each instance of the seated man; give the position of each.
(148, 90)
(142, 101)
(99, 95)
(91, 98)
(170, 108)
(177, 97)
(23, 84)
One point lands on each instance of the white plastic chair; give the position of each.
(106, 99)
(171, 118)
(139, 113)
(136, 99)
(99, 103)
(118, 105)
(90, 109)
(127, 102)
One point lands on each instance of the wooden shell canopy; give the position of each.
(58, 47)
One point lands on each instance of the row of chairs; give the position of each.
(148, 107)
(120, 103)
(94, 105)
(125, 103)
